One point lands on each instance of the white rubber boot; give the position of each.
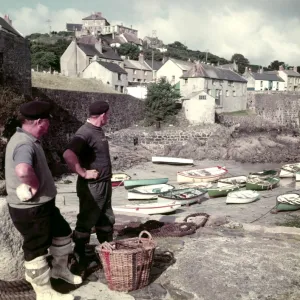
(60, 261)
(38, 274)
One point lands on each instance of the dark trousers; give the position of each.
(38, 225)
(94, 207)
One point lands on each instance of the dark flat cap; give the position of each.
(36, 110)
(98, 108)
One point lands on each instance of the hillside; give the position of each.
(49, 81)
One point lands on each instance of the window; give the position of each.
(119, 76)
(220, 93)
(277, 85)
(145, 73)
(234, 93)
(202, 97)
(230, 83)
(227, 93)
(208, 91)
(261, 84)
(214, 82)
(185, 81)
(173, 78)
(116, 87)
(122, 89)
(134, 71)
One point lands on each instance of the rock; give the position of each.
(2, 188)
(216, 220)
(233, 225)
(11, 255)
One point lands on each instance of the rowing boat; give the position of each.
(242, 197)
(148, 191)
(220, 191)
(118, 179)
(152, 208)
(236, 180)
(289, 170)
(201, 175)
(183, 196)
(260, 184)
(264, 174)
(129, 184)
(171, 160)
(287, 202)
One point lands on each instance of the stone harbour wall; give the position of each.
(15, 62)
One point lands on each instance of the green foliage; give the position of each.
(274, 65)
(158, 56)
(241, 61)
(45, 60)
(160, 103)
(130, 50)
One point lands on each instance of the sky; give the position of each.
(261, 30)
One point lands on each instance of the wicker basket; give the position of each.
(127, 262)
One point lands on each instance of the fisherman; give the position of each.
(88, 155)
(31, 201)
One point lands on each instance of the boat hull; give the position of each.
(235, 180)
(267, 184)
(221, 191)
(140, 182)
(143, 192)
(242, 197)
(172, 160)
(287, 207)
(289, 170)
(153, 209)
(288, 202)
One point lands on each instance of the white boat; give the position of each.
(242, 197)
(148, 191)
(292, 199)
(289, 170)
(297, 176)
(236, 180)
(201, 175)
(152, 208)
(172, 160)
(183, 196)
(199, 185)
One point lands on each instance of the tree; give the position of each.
(45, 60)
(130, 50)
(274, 65)
(241, 61)
(161, 103)
(157, 54)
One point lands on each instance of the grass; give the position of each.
(238, 113)
(58, 82)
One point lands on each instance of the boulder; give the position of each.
(216, 221)
(11, 254)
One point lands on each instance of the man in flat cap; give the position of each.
(31, 200)
(88, 155)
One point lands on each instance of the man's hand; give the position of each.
(91, 174)
(24, 192)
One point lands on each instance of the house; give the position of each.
(15, 61)
(228, 88)
(154, 66)
(109, 73)
(138, 71)
(155, 43)
(199, 108)
(73, 27)
(262, 81)
(80, 53)
(291, 78)
(173, 69)
(233, 66)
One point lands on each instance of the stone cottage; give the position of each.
(15, 62)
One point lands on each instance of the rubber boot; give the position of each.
(60, 250)
(103, 236)
(81, 239)
(38, 274)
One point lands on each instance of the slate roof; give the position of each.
(135, 64)
(156, 64)
(183, 65)
(73, 27)
(107, 52)
(95, 16)
(8, 27)
(209, 71)
(110, 40)
(131, 38)
(112, 67)
(291, 73)
(266, 76)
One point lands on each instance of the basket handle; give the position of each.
(146, 232)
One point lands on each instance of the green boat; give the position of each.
(264, 173)
(288, 202)
(132, 183)
(260, 184)
(220, 191)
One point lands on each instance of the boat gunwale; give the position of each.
(140, 193)
(133, 207)
(164, 197)
(210, 176)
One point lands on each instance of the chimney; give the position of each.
(261, 70)
(141, 58)
(295, 68)
(95, 58)
(164, 59)
(281, 68)
(99, 14)
(98, 45)
(246, 69)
